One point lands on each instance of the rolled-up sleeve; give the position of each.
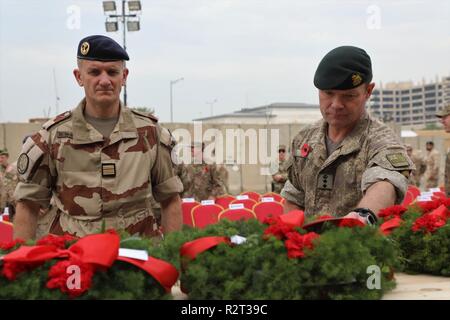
(376, 174)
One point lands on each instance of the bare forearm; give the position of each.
(25, 220)
(379, 196)
(171, 217)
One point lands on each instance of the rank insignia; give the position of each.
(108, 170)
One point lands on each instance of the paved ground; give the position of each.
(420, 287)
(409, 287)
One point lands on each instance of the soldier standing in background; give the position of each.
(444, 116)
(201, 181)
(419, 162)
(8, 174)
(433, 160)
(279, 170)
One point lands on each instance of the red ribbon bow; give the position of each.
(98, 250)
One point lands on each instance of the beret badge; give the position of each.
(84, 49)
(356, 79)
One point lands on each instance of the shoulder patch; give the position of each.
(146, 115)
(397, 160)
(56, 120)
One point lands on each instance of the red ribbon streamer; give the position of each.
(98, 249)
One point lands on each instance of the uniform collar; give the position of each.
(84, 133)
(350, 144)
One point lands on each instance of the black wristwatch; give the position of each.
(366, 213)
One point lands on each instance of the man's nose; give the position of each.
(336, 102)
(104, 79)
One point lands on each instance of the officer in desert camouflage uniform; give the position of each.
(201, 179)
(101, 161)
(419, 162)
(8, 174)
(444, 116)
(347, 164)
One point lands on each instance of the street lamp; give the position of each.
(211, 103)
(130, 18)
(172, 82)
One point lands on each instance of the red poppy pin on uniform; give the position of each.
(305, 150)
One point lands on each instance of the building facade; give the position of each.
(407, 103)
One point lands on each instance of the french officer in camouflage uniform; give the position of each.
(444, 116)
(201, 179)
(280, 170)
(347, 164)
(100, 162)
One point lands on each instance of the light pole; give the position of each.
(211, 103)
(172, 82)
(131, 19)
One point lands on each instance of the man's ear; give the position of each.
(125, 76)
(370, 87)
(77, 75)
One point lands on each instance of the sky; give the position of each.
(239, 53)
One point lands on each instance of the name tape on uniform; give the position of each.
(207, 202)
(267, 199)
(235, 206)
(242, 197)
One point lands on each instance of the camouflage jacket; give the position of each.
(9, 178)
(335, 184)
(419, 163)
(94, 179)
(280, 169)
(201, 181)
(433, 160)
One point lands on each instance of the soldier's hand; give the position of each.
(355, 215)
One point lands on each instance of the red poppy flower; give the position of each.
(428, 223)
(57, 241)
(296, 243)
(59, 277)
(306, 149)
(5, 246)
(393, 211)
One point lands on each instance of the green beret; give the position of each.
(343, 68)
(100, 48)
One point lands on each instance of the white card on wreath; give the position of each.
(188, 200)
(435, 189)
(424, 198)
(235, 206)
(134, 254)
(207, 202)
(237, 239)
(242, 197)
(267, 199)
